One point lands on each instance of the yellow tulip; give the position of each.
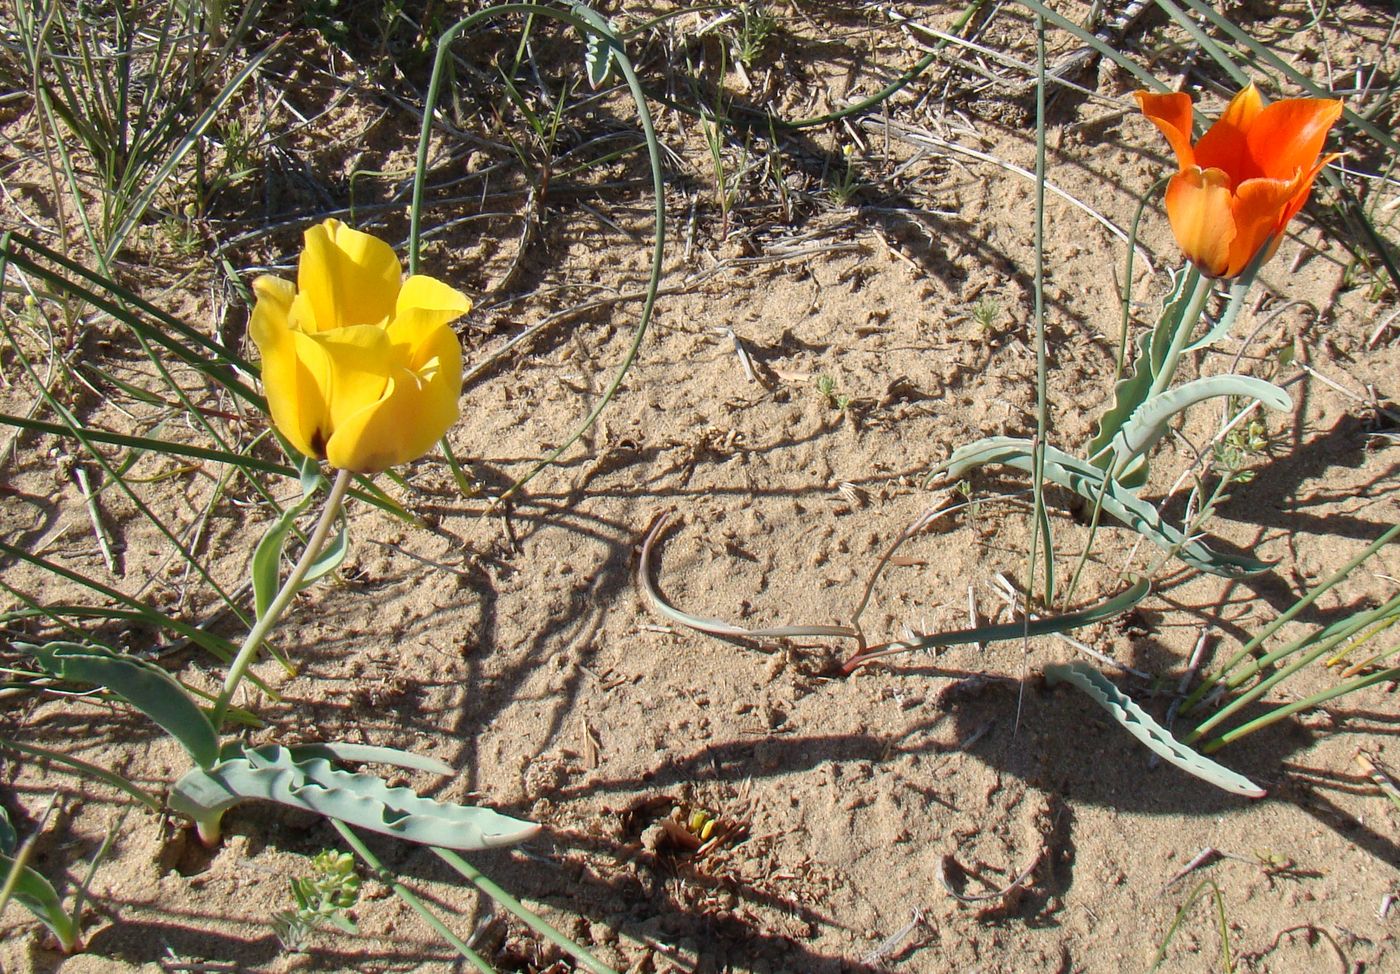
(359, 369)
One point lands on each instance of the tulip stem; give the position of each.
(264, 625)
(1185, 328)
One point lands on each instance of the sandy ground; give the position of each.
(811, 359)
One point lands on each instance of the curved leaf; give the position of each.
(331, 557)
(1131, 391)
(276, 774)
(1140, 724)
(145, 686)
(267, 557)
(1024, 628)
(1149, 423)
(1087, 480)
(371, 754)
(37, 895)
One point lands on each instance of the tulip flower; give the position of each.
(359, 369)
(1238, 187)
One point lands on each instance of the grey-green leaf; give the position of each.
(1140, 724)
(1131, 390)
(145, 686)
(371, 754)
(1149, 423)
(276, 774)
(267, 557)
(38, 896)
(1119, 502)
(599, 44)
(330, 558)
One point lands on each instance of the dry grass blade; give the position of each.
(715, 627)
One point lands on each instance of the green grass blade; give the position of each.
(1307, 703)
(1046, 626)
(191, 134)
(409, 897)
(1264, 55)
(519, 911)
(85, 768)
(149, 616)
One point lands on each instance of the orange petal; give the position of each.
(1226, 145)
(1288, 135)
(1172, 114)
(1259, 208)
(1304, 187)
(1198, 206)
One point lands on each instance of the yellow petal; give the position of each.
(275, 291)
(295, 377)
(349, 277)
(1198, 206)
(425, 305)
(270, 312)
(418, 407)
(361, 361)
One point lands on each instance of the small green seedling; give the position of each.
(322, 898)
(845, 188)
(754, 30)
(1239, 447)
(826, 385)
(986, 312)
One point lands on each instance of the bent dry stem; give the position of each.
(284, 597)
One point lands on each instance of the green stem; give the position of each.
(1040, 522)
(408, 896)
(1185, 327)
(1329, 637)
(1307, 703)
(518, 909)
(264, 625)
(1214, 679)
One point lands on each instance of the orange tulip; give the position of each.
(1246, 178)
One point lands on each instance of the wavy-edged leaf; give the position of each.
(600, 44)
(1149, 423)
(1087, 480)
(1140, 724)
(598, 58)
(145, 686)
(274, 773)
(1132, 389)
(371, 754)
